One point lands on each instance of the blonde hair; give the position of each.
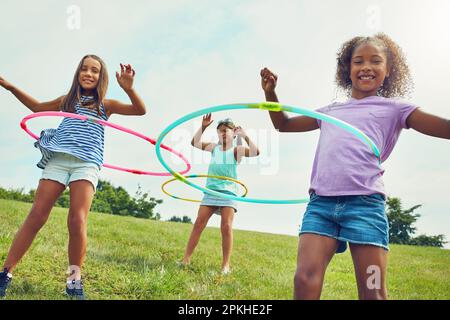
(74, 94)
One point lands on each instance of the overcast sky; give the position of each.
(194, 54)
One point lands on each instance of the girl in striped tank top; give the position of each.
(224, 160)
(72, 156)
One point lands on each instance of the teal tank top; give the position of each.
(224, 164)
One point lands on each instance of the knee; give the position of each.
(226, 227)
(306, 278)
(77, 223)
(200, 223)
(37, 218)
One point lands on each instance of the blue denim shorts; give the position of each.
(353, 219)
(65, 168)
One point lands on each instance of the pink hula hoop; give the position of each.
(23, 125)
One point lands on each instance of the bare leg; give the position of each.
(226, 227)
(81, 196)
(204, 213)
(47, 193)
(370, 269)
(314, 255)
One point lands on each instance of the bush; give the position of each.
(429, 241)
(108, 199)
(184, 219)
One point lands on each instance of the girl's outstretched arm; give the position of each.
(429, 124)
(125, 80)
(197, 139)
(280, 120)
(30, 102)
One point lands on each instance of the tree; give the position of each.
(401, 227)
(400, 221)
(107, 199)
(184, 219)
(117, 201)
(429, 241)
(143, 206)
(63, 200)
(17, 194)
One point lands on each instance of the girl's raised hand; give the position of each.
(206, 121)
(268, 80)
(240, 132)
(5, 84)
(126, 77)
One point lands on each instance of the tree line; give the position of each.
(116, 200)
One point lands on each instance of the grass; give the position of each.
(129, 258)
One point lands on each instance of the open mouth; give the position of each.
(88, 81)
(366, 77)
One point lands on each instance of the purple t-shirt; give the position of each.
(343, 164)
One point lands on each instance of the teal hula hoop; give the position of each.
(269, 106)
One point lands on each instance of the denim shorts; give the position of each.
(218, 202)
(65, 168)
(353, 219)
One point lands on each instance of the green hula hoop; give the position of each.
(269, 106)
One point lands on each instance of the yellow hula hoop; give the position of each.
(202, 176)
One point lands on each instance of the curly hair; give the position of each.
(398, 84)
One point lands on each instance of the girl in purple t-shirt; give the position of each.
(347, 196)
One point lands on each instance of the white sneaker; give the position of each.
(74, 289)
(226, 270)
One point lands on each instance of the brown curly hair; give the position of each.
(398, 84)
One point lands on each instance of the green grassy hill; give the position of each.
(131, 258)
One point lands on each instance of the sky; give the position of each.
(190, 55)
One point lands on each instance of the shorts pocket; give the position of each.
(313, 196)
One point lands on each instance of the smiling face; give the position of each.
(89, 74)
(225, 134)
(368, 70)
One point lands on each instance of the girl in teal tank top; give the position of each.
(225, 158)
(223, 163)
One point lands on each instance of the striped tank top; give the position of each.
(224, 164)
(80, 138)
